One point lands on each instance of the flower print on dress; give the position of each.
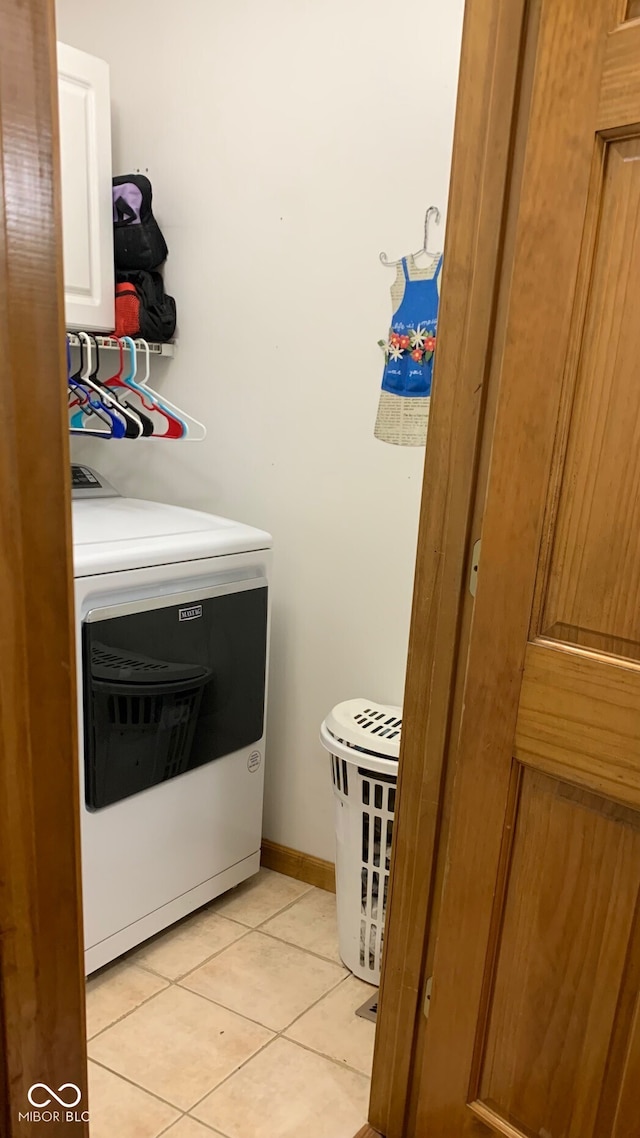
(417, 337)
(396, 346)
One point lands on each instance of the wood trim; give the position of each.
(42, 1029)
(367, 1132)
(579, 720)
(620, 92)
(487, 103)
(302, 866)
(491, 1118)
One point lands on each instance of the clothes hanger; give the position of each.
(116, 381)
(107, 402)
(134, 428)
(192, 428)
(432, 211)
(179, 425)
(171, 412)
(151, 403)
(90, 404)
(77, 395)
(97, 397)
(82, 384)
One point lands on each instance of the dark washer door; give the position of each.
(171, 683)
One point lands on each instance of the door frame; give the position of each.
(484, 170)
(42, 1010)
(41, 973)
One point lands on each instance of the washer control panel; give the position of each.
(87, 483)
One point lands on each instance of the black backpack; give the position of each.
(157, 315)
(137, 238)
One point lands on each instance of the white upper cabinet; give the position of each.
(87, 211)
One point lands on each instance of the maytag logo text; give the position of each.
(192, 613)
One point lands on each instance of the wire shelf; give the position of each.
(155, 349)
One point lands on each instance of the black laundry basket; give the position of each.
(142, 717)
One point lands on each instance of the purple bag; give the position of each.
(137, 238)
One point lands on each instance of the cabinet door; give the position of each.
(85, 149)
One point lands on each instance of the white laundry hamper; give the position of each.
(363, 740)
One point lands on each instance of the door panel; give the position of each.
(534, 1025)
(594, 584)
(566, 918)
(579, 719)
(620, 89)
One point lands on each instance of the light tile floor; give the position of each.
(237, 1022)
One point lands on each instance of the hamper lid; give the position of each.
(116, 667)
(367, 726)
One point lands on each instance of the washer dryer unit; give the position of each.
(172, 618)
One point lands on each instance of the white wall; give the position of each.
(288, 142)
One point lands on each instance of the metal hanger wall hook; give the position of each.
(432, 212)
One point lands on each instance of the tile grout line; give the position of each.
(330, 1058)
(276, 1031)
(218, 951)
(224, 1008)
(119, 1019)
(276, 912)
(130, 959)
(281, 1035)
(129, 956)
(315, 1003)
(178, 983)
(231, 1074)
(185, 1114)
(165, 1129)
(126, 1079)
(276, 1035)
(282, 940)
(294, 1043)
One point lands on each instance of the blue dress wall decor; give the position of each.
(408, 368)
(403, 410)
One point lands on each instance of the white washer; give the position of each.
(172, 625)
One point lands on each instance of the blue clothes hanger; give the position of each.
(151, 401)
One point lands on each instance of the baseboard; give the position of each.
(302, 866)
(367, 1132)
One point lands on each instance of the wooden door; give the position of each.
(534, 1020)
(87, 211)
(42, 1031)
